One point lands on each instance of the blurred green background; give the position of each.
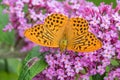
(10, 58)
(9, 64)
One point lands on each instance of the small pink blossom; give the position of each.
(50, 72)
(95, 21)
(84, 77)
(118, 25)
(37, 2)
(116, 16)
(8, 27)
(26, 1)
(105, 62)
(33, 15)
(100, 70)
(78, 68)
(113, 74)
(70, 72)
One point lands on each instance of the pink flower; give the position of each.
(113, 74)
(68, 64)
(37, 2)
(50, 72)
(78, 68)
(78, 65)
(65, 58)
(70, 72)
(116, 16)
(95, 21)
(50, 60)
(105, 62)
(25, 1)
(93, 71)
(61, 74)
(20, 14)
(118, 25)
(9, 2)
(109, 50)
(33, 15)
(8, 27)
(84, 77)
(100, 70)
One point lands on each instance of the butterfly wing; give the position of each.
(81, 39)
(49, 33)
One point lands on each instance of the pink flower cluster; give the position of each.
(104, 23)
(114, 74)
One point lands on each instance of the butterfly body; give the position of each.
(66, 33)
(63, 43)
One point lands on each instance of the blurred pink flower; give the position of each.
(8, 27)
(100, 70)
(113, 74)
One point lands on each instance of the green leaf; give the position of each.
(14, 65)
(107, 69)
(28, 73)
(44, 11)
(9, 69)
(90, 78)
(98, 77)
(83, 71)
(97, 2)
(25, 8)
(77, 76)
(114, 62)
(30, 70)
(0, 1)
(8, 76)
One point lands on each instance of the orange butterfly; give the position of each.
(66, 33)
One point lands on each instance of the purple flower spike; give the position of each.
(104, 22)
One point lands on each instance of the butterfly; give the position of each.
(66, 33)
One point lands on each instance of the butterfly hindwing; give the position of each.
(81, 39)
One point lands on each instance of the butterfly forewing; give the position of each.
(55, 25)
(81, 39)
(49, 33)
(37, 35)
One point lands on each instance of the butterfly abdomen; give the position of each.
(63, 45)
